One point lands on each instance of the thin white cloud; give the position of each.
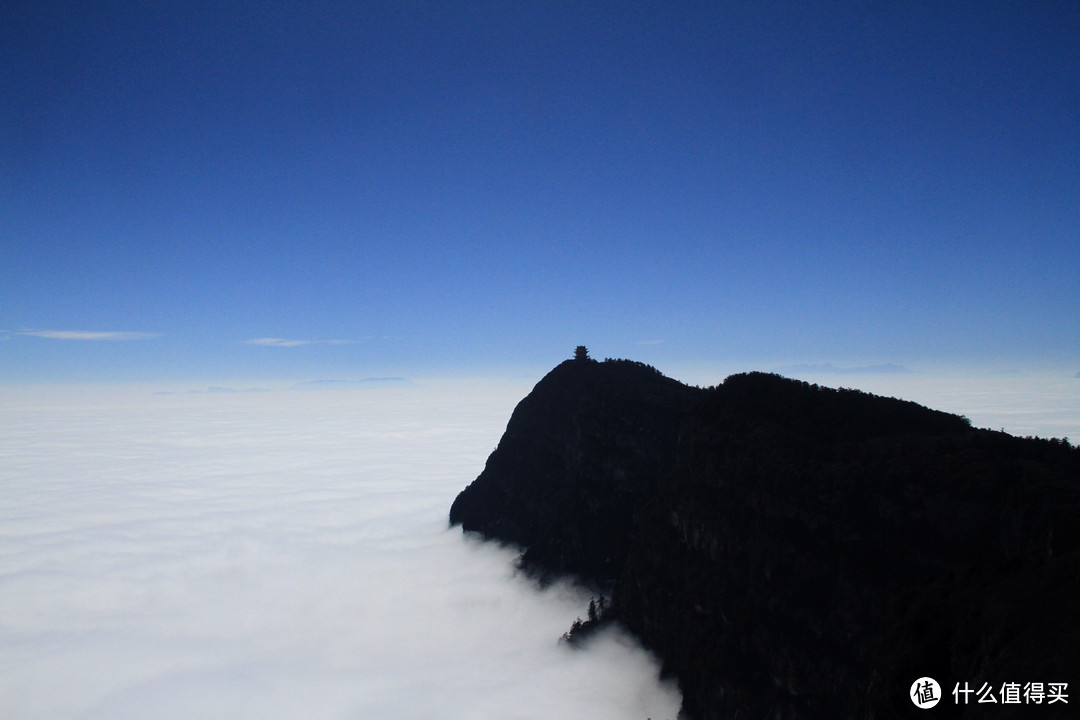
(277, 342)
(293, 342)
(89, 334)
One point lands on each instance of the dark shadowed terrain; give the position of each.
(795, 551)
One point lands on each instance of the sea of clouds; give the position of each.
(1039, 404)
(286, 554)
(278, 555)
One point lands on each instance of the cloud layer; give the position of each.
(278, 555)
(89, 334)
(1046, 405)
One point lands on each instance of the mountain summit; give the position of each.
(789, 550)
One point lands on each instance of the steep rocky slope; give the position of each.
(579, 455)
(791, 551)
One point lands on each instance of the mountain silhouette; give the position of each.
(789, 550)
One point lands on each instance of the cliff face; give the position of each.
(580, 454)
(792, 551)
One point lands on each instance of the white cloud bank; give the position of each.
(1041, 404)
(285, 555)
(278, 555)
(89, 335)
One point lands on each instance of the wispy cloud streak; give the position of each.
(89, 334)
(277, 342)
(293, 342)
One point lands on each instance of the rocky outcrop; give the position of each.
(579, 455)
(792, 551)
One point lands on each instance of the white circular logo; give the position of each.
(925, 693)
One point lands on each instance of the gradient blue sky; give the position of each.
(410, 188)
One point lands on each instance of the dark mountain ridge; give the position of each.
(789, 550)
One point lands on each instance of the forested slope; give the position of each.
(792, 551)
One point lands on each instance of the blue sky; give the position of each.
(322, 189)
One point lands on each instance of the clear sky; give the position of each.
(339, 189)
